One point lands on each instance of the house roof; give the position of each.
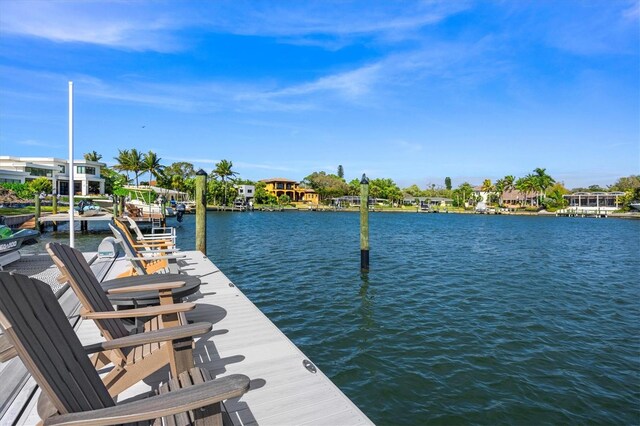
(277, 179)
(514, 194)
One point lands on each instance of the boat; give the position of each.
(635, 206)
(148, 200)
(87, 208)
(11, 241)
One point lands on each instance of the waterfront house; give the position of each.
(583, 202)
(292, 189)
(87, 180)
(428, 203)
(480, 195)
(245, 193)
(514, 198)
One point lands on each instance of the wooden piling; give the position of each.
(364, 223)
(36, 221)
(54, 208)
(115, 206)
(201, 211)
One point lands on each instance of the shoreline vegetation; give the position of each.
(537, 193)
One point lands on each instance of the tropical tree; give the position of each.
(340, 171)
(40, 185)
(327, 185)
(527, 185)
(113, 180)
(413, 191)
(543, 181)
(92, 156)
(123, 162)
(151, 164)
(488, 187)
(447, 183)
(555, 197)
(224, 171)
(354, 187)
(136, 164)
(626, 183)
(463, 193)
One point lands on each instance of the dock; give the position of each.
(286, 387)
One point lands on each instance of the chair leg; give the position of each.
(100, 360)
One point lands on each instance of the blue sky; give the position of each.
(414, 91)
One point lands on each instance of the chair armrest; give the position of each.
(7, 351)
(172, 250)
(149, 259)
(149, 311)
(156, 237)
(175, 402)
(147, 287)
(153, 244)
(155, 336)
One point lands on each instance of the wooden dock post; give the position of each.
(115, 205)
(364, 223)
(54, 208)
(201, 211)
(36, 221)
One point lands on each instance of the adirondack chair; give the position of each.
(148, 261)
(129, 366)
(72, 392)
(167, 244)
(167, 234)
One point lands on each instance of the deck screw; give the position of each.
(309, 366)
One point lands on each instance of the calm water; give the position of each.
(462, 318)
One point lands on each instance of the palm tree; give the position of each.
(507, 183)
(487, 187)
(465, 188)
(135, 163)
(151, 164)
(543, 180)
(223, 171)
(123, 162)
(92, 156)
(527, 185)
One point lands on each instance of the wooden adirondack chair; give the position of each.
(154, 236)
(72, 392)
(130, 366)
(166, 244)
(146, 261)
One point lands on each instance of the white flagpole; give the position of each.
(71, 183)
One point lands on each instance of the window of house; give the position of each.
(35, 171)
(87, 170)
(63, 169)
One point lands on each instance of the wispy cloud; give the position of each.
(112, 23)
(156, 26)
(31, 142)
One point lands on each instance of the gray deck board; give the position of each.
(245, 341)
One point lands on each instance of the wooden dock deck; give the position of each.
(243, 340)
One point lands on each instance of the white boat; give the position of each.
(147, 199)
(635, 206)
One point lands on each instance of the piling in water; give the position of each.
(37, 213)
(201, 211)
(364, 223)
(54, 208)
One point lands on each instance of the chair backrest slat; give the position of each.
(45, 341)
(72, 263)
(129, 250)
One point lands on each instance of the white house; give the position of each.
(86, 178)
(245, 192)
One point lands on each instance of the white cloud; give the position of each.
(151, 25)
(31, 142)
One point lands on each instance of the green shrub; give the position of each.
(22, 190)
